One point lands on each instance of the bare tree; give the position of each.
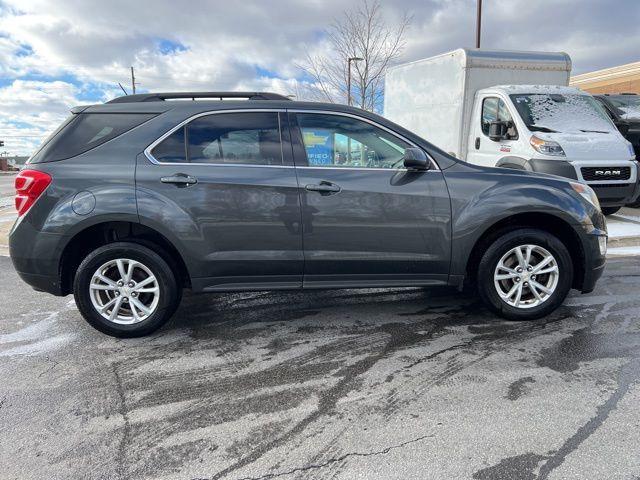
(358, 33)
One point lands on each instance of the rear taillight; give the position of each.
(29, 186)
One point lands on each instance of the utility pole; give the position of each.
(133, 81)
(478, 23)
(349, 60)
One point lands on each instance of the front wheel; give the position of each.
(125, 290)
(525, 274)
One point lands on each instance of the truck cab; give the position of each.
(552, 129)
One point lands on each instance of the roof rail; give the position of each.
(159, 97)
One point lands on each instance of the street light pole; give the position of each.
(349, 60)
(478, 23)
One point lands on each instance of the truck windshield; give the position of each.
(562, 113)
(627, 105)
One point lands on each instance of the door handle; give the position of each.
(477, 143)
(180, 179)
(325, 188)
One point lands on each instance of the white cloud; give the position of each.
(52, 53)
(29, 110)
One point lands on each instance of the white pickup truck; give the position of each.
(513, 109)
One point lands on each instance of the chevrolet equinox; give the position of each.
(131, 201)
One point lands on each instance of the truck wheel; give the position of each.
(610, 210)
(125, 290)
(525, 274)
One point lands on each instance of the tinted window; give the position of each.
(250, 138)
(336, 141)
(172, 149)
(86, 131)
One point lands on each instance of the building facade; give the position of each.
(621, 79)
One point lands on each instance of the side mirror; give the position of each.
(498, 131)
(415, 159)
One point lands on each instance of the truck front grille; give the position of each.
(606, 173)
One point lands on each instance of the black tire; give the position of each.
(500, 247)
(169, 291)
(610, 210)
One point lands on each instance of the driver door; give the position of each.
(482, 150)
(366, 219)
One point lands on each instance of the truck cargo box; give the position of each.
(434, 97)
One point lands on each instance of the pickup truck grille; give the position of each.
(606, 173)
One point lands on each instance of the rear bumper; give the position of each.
(36, 257)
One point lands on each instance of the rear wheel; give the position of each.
(525, 274)
(125, 290)
(610, 210)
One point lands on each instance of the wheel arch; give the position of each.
(516, 163)
(103, 233)
(547, 222)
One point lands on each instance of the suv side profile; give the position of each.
(129, 202)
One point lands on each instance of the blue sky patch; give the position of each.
(169, 47)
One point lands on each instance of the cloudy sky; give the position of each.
(55, 54)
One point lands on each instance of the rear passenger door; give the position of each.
(224, 187)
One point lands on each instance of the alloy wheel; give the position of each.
(124, 291)
(526, 276)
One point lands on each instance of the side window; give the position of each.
(505, 116)
(251, 138)
(85, 131)
(248, 138)
(172, 149)
(493, 110)
(489, 113)
(337, 141)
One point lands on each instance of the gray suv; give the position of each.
(129, 202)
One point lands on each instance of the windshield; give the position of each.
(562, 113)
(627, 105)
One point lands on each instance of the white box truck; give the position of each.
(514, 109)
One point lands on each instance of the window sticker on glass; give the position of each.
(319, 146)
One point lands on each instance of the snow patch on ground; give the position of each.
(623, 251)
(618, 229)
(35, 338)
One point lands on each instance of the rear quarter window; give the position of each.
(85, 131)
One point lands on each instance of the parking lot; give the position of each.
(393, 384)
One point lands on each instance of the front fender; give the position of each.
(480, 200)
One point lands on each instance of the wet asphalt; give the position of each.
(352, 384)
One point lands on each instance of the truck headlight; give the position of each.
(546, 147)
(586, 192)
